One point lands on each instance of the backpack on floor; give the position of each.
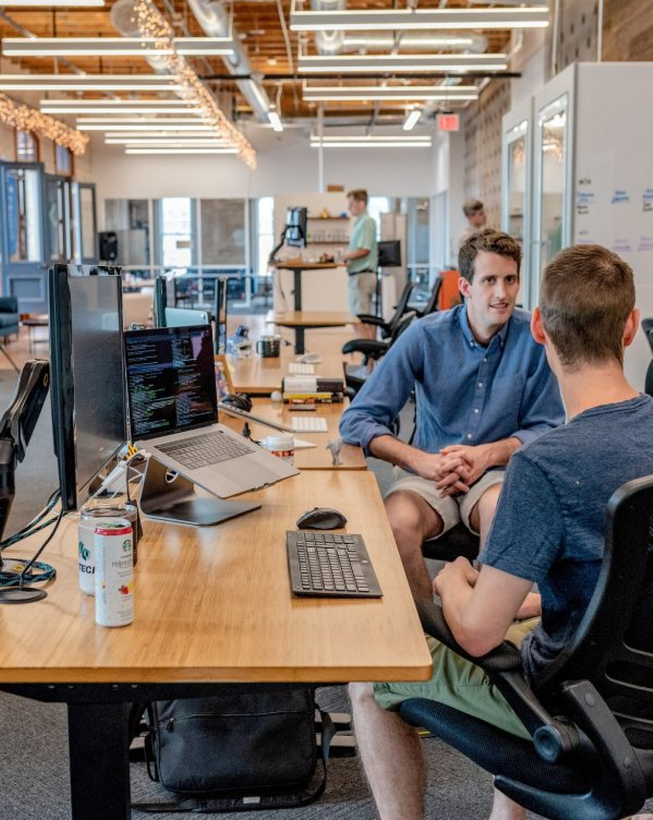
(238, 751)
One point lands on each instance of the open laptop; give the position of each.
(173, 413)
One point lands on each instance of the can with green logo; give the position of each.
(114, 574)
(90, 516)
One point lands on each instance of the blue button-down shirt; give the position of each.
(467, 393)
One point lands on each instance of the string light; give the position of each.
(152, 24)
(24, 118)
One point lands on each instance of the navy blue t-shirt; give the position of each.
(549, 526)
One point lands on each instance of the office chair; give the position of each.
(647, 327)
(371, 349)
(590, 756)
(432, 303)
(387, 328)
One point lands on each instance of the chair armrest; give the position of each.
(8, 304)
(368, 347)
(368, 319)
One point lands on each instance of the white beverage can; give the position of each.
(114, 574)
(90, 516)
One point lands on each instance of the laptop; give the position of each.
(174, 413)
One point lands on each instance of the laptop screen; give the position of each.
(170, 380)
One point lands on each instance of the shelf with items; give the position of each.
(327, 218)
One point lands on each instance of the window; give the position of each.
(27, 147)
(265, 233)
(176, 232)
(63, 161)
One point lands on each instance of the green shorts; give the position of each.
(460, 684)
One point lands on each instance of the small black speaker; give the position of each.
(108, 246)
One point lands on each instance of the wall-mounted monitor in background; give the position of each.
(160, 300)
(220, 338)
(87, 367)
(296, 227)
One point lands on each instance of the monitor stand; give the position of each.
(174, 499)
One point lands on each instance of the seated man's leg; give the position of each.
(392, 756)
(477, 508)
(416, 512)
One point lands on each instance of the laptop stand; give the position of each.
(169, 496)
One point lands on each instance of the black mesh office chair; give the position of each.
(371, 349)
(432, 303)
(591, 717)
(647, 327)
(388, 328)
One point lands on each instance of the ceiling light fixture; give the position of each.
(352, 63)
(51, 3)
(118, 122)
(177, 142)
(391, 93)
(89, 82)
(407, 19)
(345, 143)
(114, 126)
(131, 107)
(180, 151)
(113, 47)
(412, 119)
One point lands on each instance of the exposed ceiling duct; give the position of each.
(329, 42)
(213, 17)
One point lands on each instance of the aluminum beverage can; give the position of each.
(89, 518)
(114, 574)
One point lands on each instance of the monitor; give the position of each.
(87, 367)
(185, 317)
(160, 300)
(296, 227)
(390, 253)
(221, 316)
(170, 380)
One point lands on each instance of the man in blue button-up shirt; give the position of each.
(483, 387)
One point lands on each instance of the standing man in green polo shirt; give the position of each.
(362, 261)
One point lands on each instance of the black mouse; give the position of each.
(321, 518)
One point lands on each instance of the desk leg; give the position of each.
(299, 340)
(298, 290)
(99, 761)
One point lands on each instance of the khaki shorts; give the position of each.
(362, 287)
(460, 684)
(451, 509)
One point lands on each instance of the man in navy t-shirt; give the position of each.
(548, 528)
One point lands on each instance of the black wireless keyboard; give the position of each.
(331, 565)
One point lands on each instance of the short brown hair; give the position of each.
(359, 194)
(472, 206)
(587, 294)
(489, 241)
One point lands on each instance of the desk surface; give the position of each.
(311, 318)
(214, 604)
(263, 376)
(312, 458)
(297, 264)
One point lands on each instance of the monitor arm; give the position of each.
(278, 247)
(16, 427)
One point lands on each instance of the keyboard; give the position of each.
(331, 565)
(301, 369)
(206, 449)
(309, 424)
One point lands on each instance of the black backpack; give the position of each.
(238, 751)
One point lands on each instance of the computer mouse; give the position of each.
(321, 518)
(310, 358)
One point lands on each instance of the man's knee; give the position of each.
(484, 509)
(361, 695)
(411, 518)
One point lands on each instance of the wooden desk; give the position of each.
(313, 458)
(212, 605)
(297, 266)
(260, 376)
(301, 320)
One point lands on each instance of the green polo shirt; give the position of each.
(364, 236)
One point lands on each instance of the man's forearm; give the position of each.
(389, 448)
(500, 451)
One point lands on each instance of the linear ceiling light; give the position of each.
(118, 122)
(148, 127)
(390, 93)
(113, 47)
(312, 64)
(367, 138)
(275, 120)
(412, 119)
(89, 82)
(180, 151)
(132, 107)
(117, 104)
(51, 3)
(406, 19)
(170, 143)
(344, 143)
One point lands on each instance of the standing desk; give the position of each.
(302, 320)
(213, 605)
(297, 267)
